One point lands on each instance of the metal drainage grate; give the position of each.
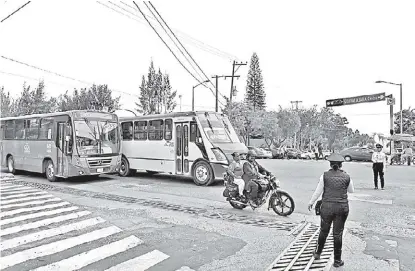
(242, 219)
(299, 254)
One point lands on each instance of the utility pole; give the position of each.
(296, 108)
(217, 87)
(235, 64)
(391, 125)
(296, 104)
(180, 97)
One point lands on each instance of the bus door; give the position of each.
(182, 148)
(62, 159)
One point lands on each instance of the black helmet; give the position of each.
(334, 157)
(379, 146)
(251, 153)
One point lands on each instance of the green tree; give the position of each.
(408, 117)
(96, 95)
(156, 94)
(169, 96)
(6, 103)
(255, 93)
(289, 123)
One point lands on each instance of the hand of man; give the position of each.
(310, 207)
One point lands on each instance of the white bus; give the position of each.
(197, 144)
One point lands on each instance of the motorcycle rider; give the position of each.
(252, 171)
(334, 184)
(235, 170)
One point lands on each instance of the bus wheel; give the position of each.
(124, 167)
(50, 171)
(10, 165)
(203, 174)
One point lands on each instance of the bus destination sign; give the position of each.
(356, 100)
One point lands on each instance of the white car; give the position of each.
(308, 155)
(267, 153)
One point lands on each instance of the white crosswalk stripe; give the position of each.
(142, 262)
(23, 210)
(23, 195)
(45, 231)
(5, 202)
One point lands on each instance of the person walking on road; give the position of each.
(379, 165)
(407, 154)
(334, 185)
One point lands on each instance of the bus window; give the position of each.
(193, 132)
(168, 129)
(155, 131)
(140, 130)
(127, 130)
(45, 129)
(32, 129)
(20, 129)
(9, 131)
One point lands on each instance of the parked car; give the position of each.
(277, 153)
(293, 153)
(259, 153)
(267, 153)
(357, 154)
(308, 155)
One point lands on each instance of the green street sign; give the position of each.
(356, 100)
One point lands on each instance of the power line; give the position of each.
(166, 43)
(34, 79)
(187, 59)
(15, 12)
(191, 39)
(180, 43)
(60, 75)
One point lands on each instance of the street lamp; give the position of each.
(193, 94)
(400, 86)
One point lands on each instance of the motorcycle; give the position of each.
(269, 189)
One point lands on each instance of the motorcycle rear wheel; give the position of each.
(279, 201)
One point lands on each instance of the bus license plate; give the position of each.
(99, 170)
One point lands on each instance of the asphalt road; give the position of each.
(166, 223)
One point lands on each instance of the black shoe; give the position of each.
(338, 263)
(316, 255)
(376, 188)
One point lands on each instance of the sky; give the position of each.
(309, 51)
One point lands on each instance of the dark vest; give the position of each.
(335, 186)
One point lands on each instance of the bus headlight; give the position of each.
(77, 161)
(220, 156)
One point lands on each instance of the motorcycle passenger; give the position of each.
(252, 171)
(235, 170)
(334, 185)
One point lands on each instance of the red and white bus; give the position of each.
(196, 144)
(61, 145)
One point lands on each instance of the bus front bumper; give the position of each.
(219, 170)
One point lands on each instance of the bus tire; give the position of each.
(50, 171)
(124, 167)
(10, 165)
(203, 174)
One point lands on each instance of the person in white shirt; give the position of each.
(379, 164)
(407, 153)
(334, 185)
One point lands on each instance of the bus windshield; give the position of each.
(217, 128)
(96, 137)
